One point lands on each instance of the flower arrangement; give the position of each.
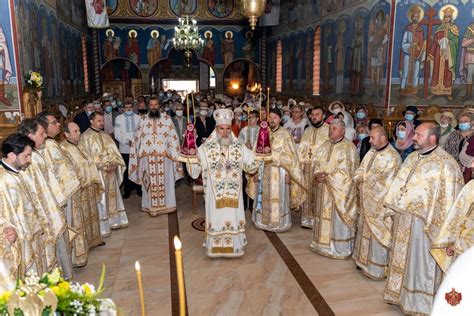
(34, 80)
(52, 294)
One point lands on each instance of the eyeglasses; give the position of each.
(53, 122)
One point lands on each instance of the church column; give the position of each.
(263, 56)
(95, 56)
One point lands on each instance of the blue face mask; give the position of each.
(244, 117)
(129, 113)
(464, 126)
(401, 134)
(360, 115)
(409, 117)
(108, 109)
(362, 136)
(161, 94)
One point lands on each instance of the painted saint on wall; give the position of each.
(183, 7)
(466, 62)
(378, 44)
(340, 56)
(144, 7)
(111, 45)
(249, 47)
(413, 52)
(357, 58)
(227, 47)
(209, 53)
(111, 6)
(132, 48)
(444, 53)
(153, 48)
(220, 8)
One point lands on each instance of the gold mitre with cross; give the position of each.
(223, 116)
(448, 11)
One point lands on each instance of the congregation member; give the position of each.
(88, 198)
(204, 124)
(154, 161)
(448, 123)
(457, 139)
(82, 119)
(180, 121)
(66, 173)
(335, 213)
(297, 123)
(48, 193)
(278, 186)
(109, 162)
(365, 145)
(337, 107)
(313, 137)
(419, 199)
(372, 180)
(238, 122)
(142, 108)
(24, 234)
(411, 115)
(350, 132)
(403, 142)
(124, 130)
(110, 115)
(361, 116)
(223, 158)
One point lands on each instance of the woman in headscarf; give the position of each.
(337, 107)
(403, 142)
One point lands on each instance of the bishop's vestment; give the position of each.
(419, 197)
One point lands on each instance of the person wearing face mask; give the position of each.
(362, 133)
(297, 123)
(458, 139)
(238, 123)
(82, 119)
(124, 129)
(447, 122)
(179, 121)
(403, 142)
(109, 117)
(204, 124)
(211, 110)
(142, 108)
(411, 115)
(365, 145)
(286, 114)
(361, 117)
(337, 107)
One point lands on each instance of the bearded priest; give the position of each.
(221, 159)
(154, 161)
(109, 161)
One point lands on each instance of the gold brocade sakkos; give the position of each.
(458, 229)
(424, 188)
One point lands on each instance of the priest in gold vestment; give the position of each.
(154, 161)
(47, 191)
(66, 173)
(372, 179)
(279, 185)
(419, 198)
(221, 159)
(335, 212)
(106, 156)
(22, 243)
(457, 233)
(85, 219)
(313, 137)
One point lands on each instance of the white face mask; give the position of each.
(203, 112)
(336, 111)
(444, 125)
(179, 113)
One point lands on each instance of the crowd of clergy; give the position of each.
(401, 206)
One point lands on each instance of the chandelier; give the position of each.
(187, 38)
(252, 9)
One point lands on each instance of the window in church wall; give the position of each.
(278, 67)
(316, 60)
(212, 78)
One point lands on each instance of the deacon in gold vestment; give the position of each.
(280, 182)
(335, 214)
(85, 219)
(109, 162)
(47, 191)
(221, 160)
(419, 197)
(154, 161)
(66, 174)
(313, 137)
(457, 233)
(22, 243)
(372, 179)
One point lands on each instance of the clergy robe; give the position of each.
(335, 212)
(154, 163)
(18, 209)
(372, 179)
(103, 151)
(66, 174)
(46, 190)
(273, 197)
(458, 229)
(85, 218)
(419, 197)
(313, 138)
(221, 169)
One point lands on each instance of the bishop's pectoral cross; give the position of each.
(429, 21)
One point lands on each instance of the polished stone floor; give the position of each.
(260, 283)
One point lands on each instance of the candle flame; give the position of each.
(177, 243)
(137, 266)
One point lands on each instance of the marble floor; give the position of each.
(259, 283)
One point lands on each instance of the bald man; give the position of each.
(335, 213)
(419, 198)
(372, 179)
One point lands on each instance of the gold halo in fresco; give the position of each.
(208, 33)
(132, 34)
(229, 33)
(110, 31)
(154, 34)
(448, 8)
(416, 8)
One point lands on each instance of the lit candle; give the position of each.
(140, 286)
(179, 269)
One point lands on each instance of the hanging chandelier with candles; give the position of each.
(186, 35)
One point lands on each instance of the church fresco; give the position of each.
(144, 8)
(9, 90)
(220, 8)
(111, 6)
(183, 7)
